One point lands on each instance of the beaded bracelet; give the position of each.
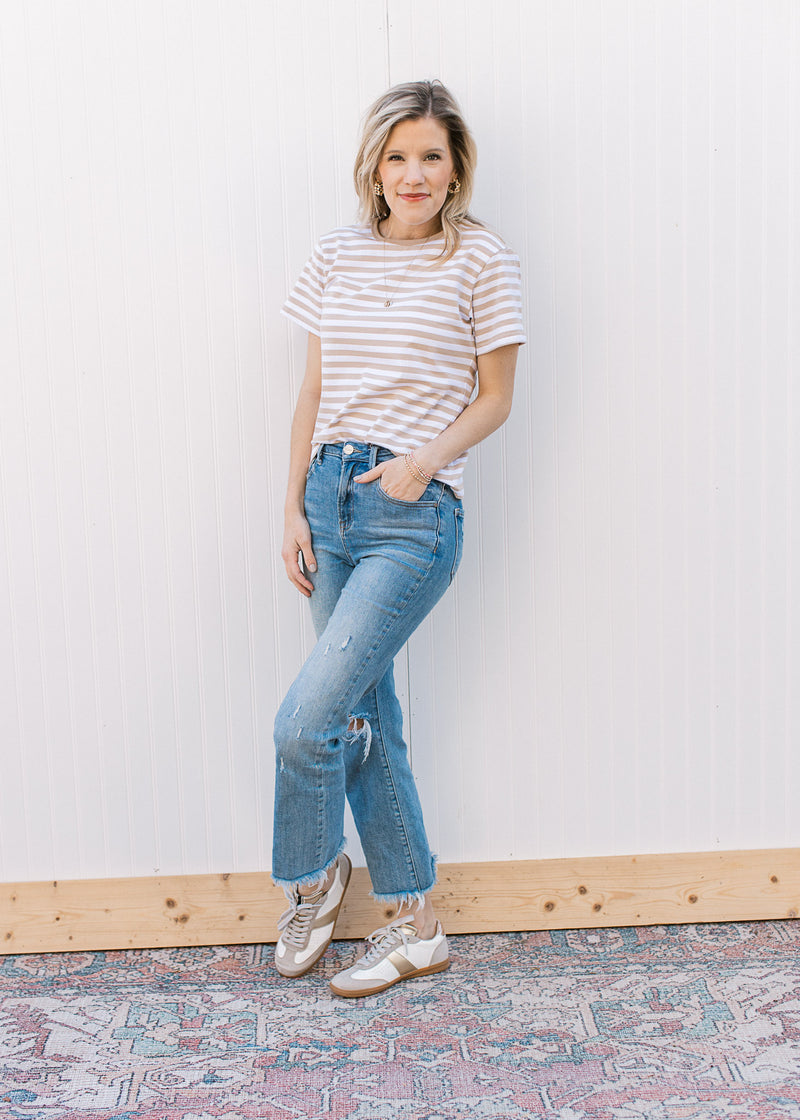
(415, 470)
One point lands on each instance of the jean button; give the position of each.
(349, 449)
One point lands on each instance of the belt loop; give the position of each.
(373, 455)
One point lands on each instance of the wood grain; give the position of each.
(470, 898)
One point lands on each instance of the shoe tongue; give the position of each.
(406, 927)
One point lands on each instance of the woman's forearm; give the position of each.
(305, 415)
(296, 532)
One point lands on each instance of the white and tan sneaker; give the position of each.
(306, 928)
(395, 952)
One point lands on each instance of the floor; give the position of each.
(668, 1022)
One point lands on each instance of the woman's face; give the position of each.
(416, 168)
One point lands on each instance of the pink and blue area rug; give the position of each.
(664, 1023)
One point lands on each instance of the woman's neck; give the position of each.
(396, 231)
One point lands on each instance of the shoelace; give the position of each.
(296, 920)
(387, 937)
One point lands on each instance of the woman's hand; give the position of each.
(297, 540)
(396, 480)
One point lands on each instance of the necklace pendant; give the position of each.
(387, 303)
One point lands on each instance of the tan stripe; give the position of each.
(401, 963)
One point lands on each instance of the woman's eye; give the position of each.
(393, 157)
(433, 155)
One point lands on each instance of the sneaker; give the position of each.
(307, 926)
(396, 952)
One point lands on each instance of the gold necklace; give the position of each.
(389, 299)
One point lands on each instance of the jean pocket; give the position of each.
(312, 466)
(458, 517)
(429, 496)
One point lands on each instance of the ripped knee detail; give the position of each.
(360, 727)
(291, 727)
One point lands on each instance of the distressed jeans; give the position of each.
(382, 564)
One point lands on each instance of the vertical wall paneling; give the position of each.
(613, 670)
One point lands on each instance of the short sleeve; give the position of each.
(497, 303)
(304, 304)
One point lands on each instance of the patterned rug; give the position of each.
(670, 1023)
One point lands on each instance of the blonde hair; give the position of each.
(413, 101)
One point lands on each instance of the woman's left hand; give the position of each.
(396, 480)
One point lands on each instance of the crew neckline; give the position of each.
(419, 241)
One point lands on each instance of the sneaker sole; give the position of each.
(310, 964)
(350, 993)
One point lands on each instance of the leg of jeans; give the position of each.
(379, 608)
(377, 771)
(384, 800)
(290, 792)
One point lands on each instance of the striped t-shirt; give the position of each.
(398, 375)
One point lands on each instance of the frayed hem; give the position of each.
(402, 901)
(314, 879)
(411, 898)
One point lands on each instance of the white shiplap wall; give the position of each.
(615, 670)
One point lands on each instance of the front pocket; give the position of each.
(458, 516)
(312, 466)
(433, 489)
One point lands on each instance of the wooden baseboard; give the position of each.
(470, 898)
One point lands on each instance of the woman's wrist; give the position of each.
(426, 460)
(417, 472)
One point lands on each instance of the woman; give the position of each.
(402, 312)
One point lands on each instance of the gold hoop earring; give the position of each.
(455, 186)
(377, 188)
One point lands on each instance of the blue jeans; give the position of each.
(382, 564)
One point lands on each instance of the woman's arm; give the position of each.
(479, 419)
(296, 534)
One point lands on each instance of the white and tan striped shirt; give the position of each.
(398, 375)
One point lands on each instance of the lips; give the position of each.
(413, 197)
